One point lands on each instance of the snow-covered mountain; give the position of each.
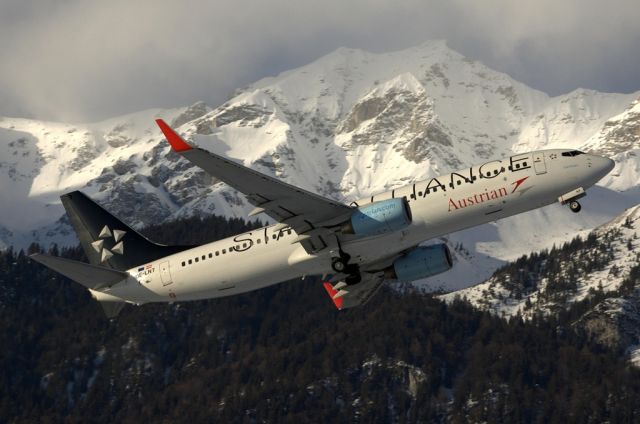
(614, 249)
(348, 125)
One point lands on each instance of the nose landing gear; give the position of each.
(571, 199)
(575, 207)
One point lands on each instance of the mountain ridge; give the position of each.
(347, 125)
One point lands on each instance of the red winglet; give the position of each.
(331, 291)
(178, 144)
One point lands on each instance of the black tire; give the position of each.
(575, 207)
(338, 265)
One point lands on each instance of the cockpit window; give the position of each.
(573, 153)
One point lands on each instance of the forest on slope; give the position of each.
(284, 354)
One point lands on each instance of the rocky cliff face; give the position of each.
(614, 323)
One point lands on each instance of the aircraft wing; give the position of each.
(291, 206)
(345, 296)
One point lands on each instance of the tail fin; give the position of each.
(106, 240)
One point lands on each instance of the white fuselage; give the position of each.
(439, 206)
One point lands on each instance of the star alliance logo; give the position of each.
(117, 248)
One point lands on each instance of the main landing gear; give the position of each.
(341, 265)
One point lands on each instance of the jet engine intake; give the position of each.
(421, 262)
(379, 218)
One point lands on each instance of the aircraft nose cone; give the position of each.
(604, 165)
(610, 164)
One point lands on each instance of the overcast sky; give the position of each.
(79, 60)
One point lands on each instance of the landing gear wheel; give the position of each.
(338, 264)
(575, 207)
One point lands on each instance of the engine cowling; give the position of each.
(421, 262)
(379, 218)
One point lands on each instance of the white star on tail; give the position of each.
(117, 248)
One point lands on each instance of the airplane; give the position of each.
(355, 247)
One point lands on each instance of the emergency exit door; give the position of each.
(539, 164)
(165, 273)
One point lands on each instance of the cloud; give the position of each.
(87, 60)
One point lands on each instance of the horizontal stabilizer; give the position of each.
(91, 276)
(111, 305)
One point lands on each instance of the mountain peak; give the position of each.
(403, 82)
(349, 125)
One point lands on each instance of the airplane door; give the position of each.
(165, 273)
(538, 163)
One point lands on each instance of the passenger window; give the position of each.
(224, 251)
(210, 255)
(197, 260)
(258, 241)
(204, 257)
(217, 253)
(274, 236)
(183, 263)
(190, 261)
(244, 245)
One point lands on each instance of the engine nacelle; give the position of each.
(421, 262)
(378, 218)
